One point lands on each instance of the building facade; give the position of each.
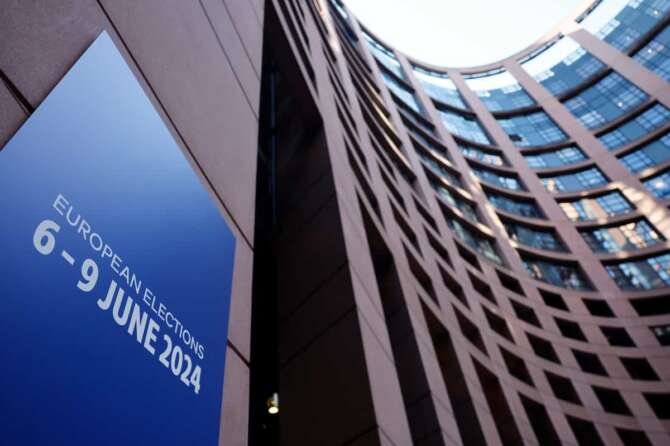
(427, 255)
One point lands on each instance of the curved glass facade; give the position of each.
(542, 188)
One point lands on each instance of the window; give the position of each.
(621, 23)
(527, 314)
(535, 238)
(639, 368)
(339, 8)
(611, 401)
(498, 179)
(598, 307)
(498, 90)
(543, 348)
(611, 97)
(617, 336)
(576, 181)
(603, 206)
(440, 87)
(562, 388)
(625, 237)
(660, 404)
(555, 158)
(469, 210)
(533, 129)
(649, 155)
(562, 66)
(524, 208)
(384, 56)
(465, 126)
(407, 96)
(482, 155)
(441, 170)
(662, 333)
(585, 432)
(589, 363)
(570, 329)
(656, 54)
(659, 185)
(645, 274)
(559, 274)
(635, 128)
(477, 242)
(516, 367)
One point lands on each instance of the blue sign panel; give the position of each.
(115, 272)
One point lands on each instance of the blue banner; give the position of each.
(116, 270)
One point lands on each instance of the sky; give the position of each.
(460, 33)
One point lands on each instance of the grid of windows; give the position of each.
(452, 199)
(481, 244)
(401, 91)
(384, 56)
(481, 155)
(440, 170)
(497, 179)
(635, 128)
(533, 129)
(555, 158)
(558, 274)
(562, 66)
(622, 23)
(499, 91)
(603, 206)
(516, 206)
(440, 87)
(649, 155)
(645, 274)
(659, 185)
(575, 181)
(465, 126)
(535, 238)
(608, 99)
(626, 237)
(656, 54)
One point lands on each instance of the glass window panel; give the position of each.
(534, 237)
(645, 274)
(649, 155)
(575, 181)
(655, 55)
(439, 169)
(454, 200)
(603, 206)
(384, 56)
(625, 237)
(479, 243)
(558, 274)
(498, 179)
(659, 185)
(562, 66)
(533, 129)
(608, 99)
(481, 155)
(339, 8)
(465, 126)
(555, 158)
(401, 91)
(499, 90)
(622, 22)
(516, 206)
(440, 87)
(635, 128)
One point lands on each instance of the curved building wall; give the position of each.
(524, 205)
